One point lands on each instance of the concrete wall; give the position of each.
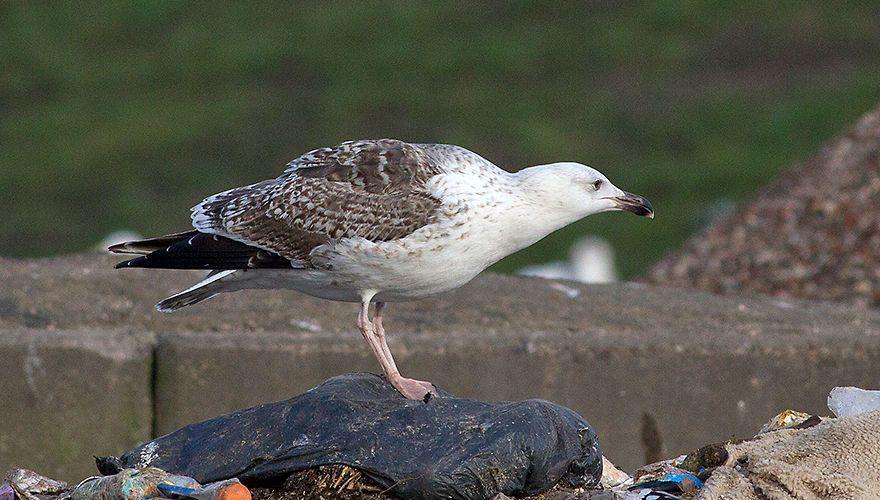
(66, 396)
(87, 367)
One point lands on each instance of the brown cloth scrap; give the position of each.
(836, 459)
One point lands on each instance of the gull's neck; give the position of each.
(536, 202)
(545, 199)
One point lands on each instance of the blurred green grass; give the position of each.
(123, 115)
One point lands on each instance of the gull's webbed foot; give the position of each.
(411, 388)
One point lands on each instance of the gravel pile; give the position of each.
(813, 233)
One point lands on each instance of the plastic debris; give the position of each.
(667, 477)
(612, 476)
(231, 489)
(674, 483)
(7, 492)
(445, 447)
(129, 484)
(851, 401)
(28, 483)
(790, 419)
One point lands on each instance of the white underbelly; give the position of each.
(401, 282)
(411, 268)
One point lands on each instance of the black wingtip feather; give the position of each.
(200, 251)
(130, 262)
(117, 248)
(149, 245)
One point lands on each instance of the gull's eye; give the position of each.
(597, 184)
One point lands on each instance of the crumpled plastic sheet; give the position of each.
(27, 484)
(446, 447)
(851, 401)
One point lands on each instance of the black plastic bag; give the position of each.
(443, 448)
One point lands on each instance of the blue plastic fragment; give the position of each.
(678, 478)
(667, 482)
(175, 491)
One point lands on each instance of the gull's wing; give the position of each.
(370, 189)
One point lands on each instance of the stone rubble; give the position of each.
(813, 233)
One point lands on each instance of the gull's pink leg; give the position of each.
(410, 388)
(366, 328)
(380, 334)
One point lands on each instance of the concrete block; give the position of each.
(657, 372)
(641, 401)
(203, 374)
(682, 367)
(66, 396)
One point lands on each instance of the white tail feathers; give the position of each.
(203, 290)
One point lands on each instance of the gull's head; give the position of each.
(583, 190)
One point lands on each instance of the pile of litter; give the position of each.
(795, 455)
(129, 484)
(354, 438)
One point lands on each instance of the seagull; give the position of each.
(376, 221)
(591, 260)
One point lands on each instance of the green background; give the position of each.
(124, 114)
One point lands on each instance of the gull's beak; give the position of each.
(634, 203)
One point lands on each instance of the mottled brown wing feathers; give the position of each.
(379, 167)
(370, 189)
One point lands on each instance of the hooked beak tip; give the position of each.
(636, 204)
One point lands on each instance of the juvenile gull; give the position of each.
(376, 221)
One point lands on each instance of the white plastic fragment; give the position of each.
(612, 476)
(849, 401)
